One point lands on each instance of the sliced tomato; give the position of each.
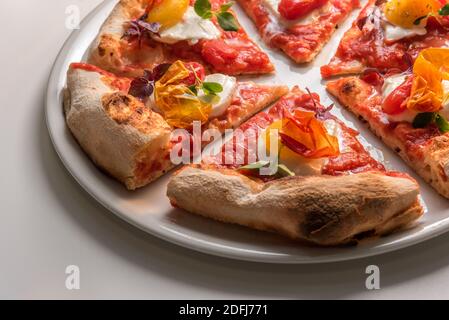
(196, 72)
(295, 9)
(396, 101)
(373, 77)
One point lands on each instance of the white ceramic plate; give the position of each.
(149, 208)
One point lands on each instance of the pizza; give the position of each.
(325, 188)
(388, 35)
(125, 124)
(141, 34)
(160, 89)
(408, 110)
(300, 28)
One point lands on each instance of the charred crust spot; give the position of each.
(101, 51)
(398, 150)
(348, 88)
(118, 107)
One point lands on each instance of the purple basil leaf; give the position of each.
(141, 88)
(151, 27)
(160, 70)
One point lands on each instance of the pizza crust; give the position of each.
(120, 148)
(108, 51)
(325, 210)
(352, 92)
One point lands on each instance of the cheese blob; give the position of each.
(191, 28)
(229, 85)
(394, 33)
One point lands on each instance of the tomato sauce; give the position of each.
(366, 43)
(354, 159)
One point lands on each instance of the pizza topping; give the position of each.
(191, 28)
(225, 91)
(167, 13)
(142, 88)
(184, 94)
(295, 9)
(429, 70)
(409, 13)
(140, 29)
(304, 142)
(225, 19)
(295, 12)
(422, 98)
(179, 105)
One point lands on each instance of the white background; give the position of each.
(48, 222)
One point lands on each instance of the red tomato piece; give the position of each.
(196, 72)
(396, 101)
(295, 9)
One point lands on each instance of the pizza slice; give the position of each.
(140, 34)
(388, 35)
(409, 111)
(125, 124)
(300, 28)
(298, 171)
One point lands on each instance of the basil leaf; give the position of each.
(417, 22)
(255, 165)
(203, 8)
(284, 171)
(444, 11)
(442, 123)
(226, 6)
(227, 21)
(422, 120)
(212, 87)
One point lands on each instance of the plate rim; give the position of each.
(196, 244)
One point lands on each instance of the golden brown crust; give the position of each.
(109, 50)
(325, 210)
(113, 131)
(432, 167)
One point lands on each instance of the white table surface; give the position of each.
(48, 222)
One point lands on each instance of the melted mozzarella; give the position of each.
(390, 84)
(395, 33)
(229, 85)
(192, 28)
(272, 7)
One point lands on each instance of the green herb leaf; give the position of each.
(203, 8)
(225, 7)
(284, 171)
(417, 22)
(442, 123)
(194, 89)
(444, 11)
(212, 87)
(227, 21)
(422, 120)
(255, 165)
